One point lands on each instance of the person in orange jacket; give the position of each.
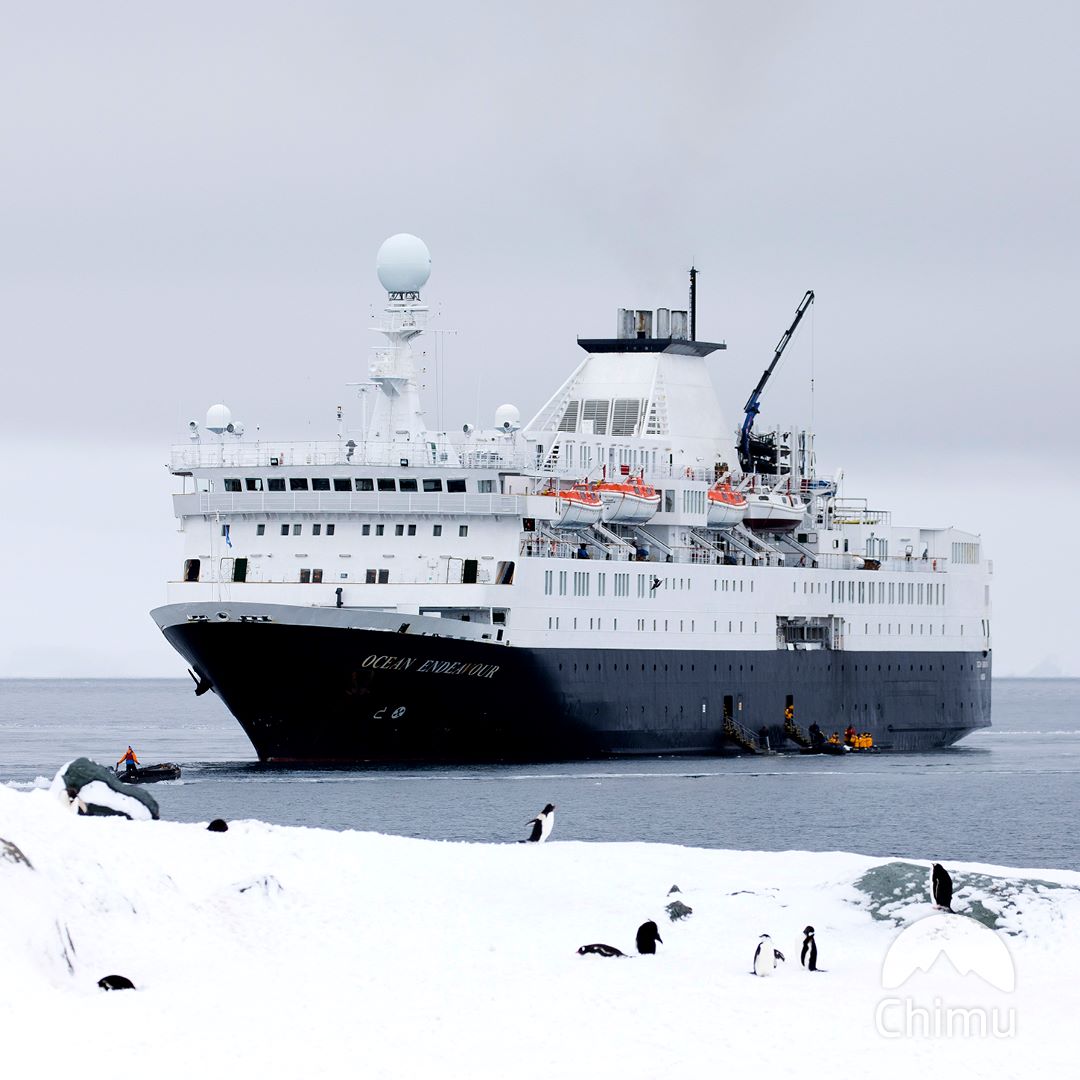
(130, 761)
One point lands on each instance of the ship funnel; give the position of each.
(663, 322)
(625, 328)
(643, 324)
(679, 325)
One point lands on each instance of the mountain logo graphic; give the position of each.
(967, 944)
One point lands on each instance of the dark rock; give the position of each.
(674, 888)
(218, 825)
(678, 910)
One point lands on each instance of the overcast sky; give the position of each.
(193, 195)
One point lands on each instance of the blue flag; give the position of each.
(228, 538)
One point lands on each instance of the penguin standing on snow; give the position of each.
(647, 936)
(941, 887)
(765, 956)
(809, 950)
(542, 825)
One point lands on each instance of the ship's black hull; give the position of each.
(320, 694)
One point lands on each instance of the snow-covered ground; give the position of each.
(283, 952)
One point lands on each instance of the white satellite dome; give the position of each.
(507, 418)
(403, 263)
(218, 418)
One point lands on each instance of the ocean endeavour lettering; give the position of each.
(380, 662)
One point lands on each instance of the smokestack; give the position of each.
(693, 303)
(663, 322)
(643, 324)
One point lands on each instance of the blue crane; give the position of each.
(753, 403)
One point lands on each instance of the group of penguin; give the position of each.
(766, 955)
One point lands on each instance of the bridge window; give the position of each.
(407, 485)
(305, 577)
(298, 483)
(260, 530)
(275, 483)
(365, 483)
(232, 485)
(455, 485)
(320, 483)
(411, 531)
(316, 529)
(436, 530)
(342, 483)
(331, 529)
(463, 530)
(297, 529)
(433, 485)
(191, 569)
(284, 530)
(253, 483)
(386, 484)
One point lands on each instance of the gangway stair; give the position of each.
(742, 737)
(800, 549)
(610, 537)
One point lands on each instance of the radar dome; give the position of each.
(403, 263)
(218, 418)
(507, 418)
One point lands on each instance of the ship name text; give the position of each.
(382, 662)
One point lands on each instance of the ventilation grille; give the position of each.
(596, 410)
(569, 418)
(625, 414)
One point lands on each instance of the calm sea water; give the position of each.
(1008, 795)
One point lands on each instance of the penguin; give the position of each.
(600, 950)
(116, 982)
(765, 956)
(542, 825)
(941, 887)
(809, 950)
(647, 936)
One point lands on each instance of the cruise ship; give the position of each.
(626, 573)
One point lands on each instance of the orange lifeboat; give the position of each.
(575, 508)
(727, 507)
(626, 502)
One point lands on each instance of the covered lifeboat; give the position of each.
(727, 507)
(575, 508)
(630, 501)
(773, 511)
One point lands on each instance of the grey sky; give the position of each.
(193, 196)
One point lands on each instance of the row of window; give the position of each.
(882, 592)
(314, 576)
(657, 625)
(668, 626)
(329, 529)
(646, 583)
(407, 485)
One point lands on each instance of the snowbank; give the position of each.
(269, 952)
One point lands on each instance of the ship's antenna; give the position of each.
(693, 303)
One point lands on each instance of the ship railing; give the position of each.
(372, 502)
(891, 563)
(437, 452)
(855, 512)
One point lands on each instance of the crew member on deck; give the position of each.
(129, 761)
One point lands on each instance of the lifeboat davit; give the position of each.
(727, 507)
(627, 502)
(575, 508)
(773, 511)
